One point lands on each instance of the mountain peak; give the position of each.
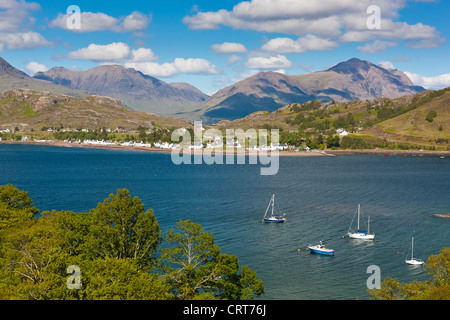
(7, 69)
(137, 90)
(353, 65)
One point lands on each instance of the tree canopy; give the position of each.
(436, 288)
(113, 252)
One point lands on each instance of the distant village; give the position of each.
(212, 143)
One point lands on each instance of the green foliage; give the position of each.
(121, 228)
(431, 115)
(117, 247)
(333, 142)
(437, 288)
(15, 206)
(201, 270)
(353, 142)
(121, 279)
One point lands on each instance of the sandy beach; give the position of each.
(316, 153)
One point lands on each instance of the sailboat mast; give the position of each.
(412, 249)
(368, 226)
(359, 211)
(273, 203)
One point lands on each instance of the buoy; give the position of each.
(298, 250)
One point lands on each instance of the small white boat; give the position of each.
(320, 249)
(273, 218)
(359, 234)
(413, 261)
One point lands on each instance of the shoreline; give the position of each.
(388, 152)
(318, 153)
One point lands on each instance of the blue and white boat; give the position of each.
(273, 218)
(320, 249)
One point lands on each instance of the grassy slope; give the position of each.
(402, 126)
(35, 110)
(412, 126)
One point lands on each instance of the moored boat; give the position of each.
(320, 249)
(359, 234)
(273, 218)
(413, 261)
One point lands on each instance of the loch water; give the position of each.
(318, 195)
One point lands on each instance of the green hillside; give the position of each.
(33, 110)
(428, 124)
(376, 123)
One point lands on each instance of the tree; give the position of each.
(15, 206)
(121, 228)
(114, 246)
(437, 288)
(431, 115)
(28, 260)
(120, 279)
(202, 271)
(333, 141)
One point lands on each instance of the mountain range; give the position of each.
(12, 78)
(136, 90)
(267, 91)
(354, 79)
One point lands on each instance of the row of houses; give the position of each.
(171, 146)
(118, 129)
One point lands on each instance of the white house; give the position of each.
(342, 132)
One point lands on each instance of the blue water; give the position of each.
(319, 196)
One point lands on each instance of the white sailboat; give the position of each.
(273, 218)
(362, 235)
(413, 261)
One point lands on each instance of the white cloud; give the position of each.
(429, 43)
(434, 83)
(15, 15)
(116, 51)
(143, 54)
(178, 66)
(194, 66)
(99, 21)
(377, 46)
(233, 59)
(136, 21)
(15, 23)
(344, 20)
(95, 52)
(302, 44)
(327, 26)
(142, 59)
(153, 69)
(387, 65)
(23, 40)
(33, 67)
(395, 31)
(268, 63)
(228, 47)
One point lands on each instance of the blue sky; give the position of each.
(213, 44)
